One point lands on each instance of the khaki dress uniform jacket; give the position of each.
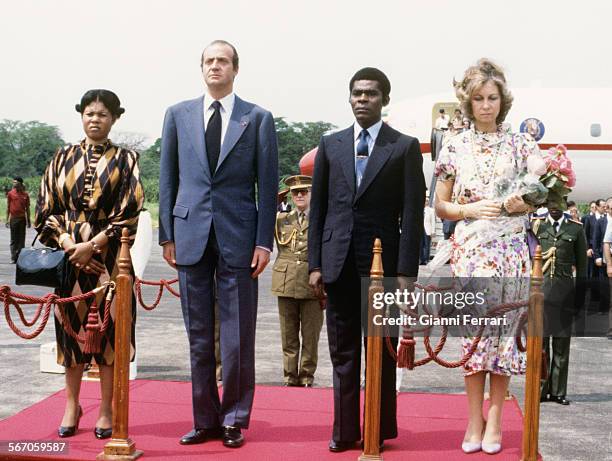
(298, 308)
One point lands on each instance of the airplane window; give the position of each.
(595, 130)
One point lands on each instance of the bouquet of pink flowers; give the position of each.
(555, 173)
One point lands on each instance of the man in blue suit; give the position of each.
(368, 183)
(217, 207)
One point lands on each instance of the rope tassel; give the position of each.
(93, 337)
(405, 354)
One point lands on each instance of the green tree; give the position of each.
(149, 170)
(294, 140)
(27, 147)
(149, 161)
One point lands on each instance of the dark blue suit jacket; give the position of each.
(599, 231)
(241, 195)
(388, 204)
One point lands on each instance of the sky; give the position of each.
(296, 57)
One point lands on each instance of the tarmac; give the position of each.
(581, 431)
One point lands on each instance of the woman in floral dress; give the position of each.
(89, 192)
(478, 174)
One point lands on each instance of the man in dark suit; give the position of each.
(588, 231)
(368, 182)
(216, 151)
(599, 231)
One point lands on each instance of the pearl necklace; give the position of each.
(484, 180)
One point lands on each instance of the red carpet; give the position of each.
(288, 424)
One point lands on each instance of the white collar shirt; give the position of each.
(560, 221)
(227, 105)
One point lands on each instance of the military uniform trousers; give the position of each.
(306, 317)
(298, 308)
(563, 250)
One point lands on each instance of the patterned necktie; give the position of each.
(213, 137)
(362, 156)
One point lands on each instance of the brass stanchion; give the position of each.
(535, 323)
(371, 437)
(121, 447)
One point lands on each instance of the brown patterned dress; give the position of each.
(87, 189)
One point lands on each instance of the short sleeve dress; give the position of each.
(481, 165)
(87, 189)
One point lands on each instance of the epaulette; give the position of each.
(281, 214)
(576, 221)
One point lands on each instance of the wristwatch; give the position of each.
(95, 246)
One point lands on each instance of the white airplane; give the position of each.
(579, 118)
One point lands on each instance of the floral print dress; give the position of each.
(492, 253)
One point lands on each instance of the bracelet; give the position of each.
(62, 238)
(95, 246)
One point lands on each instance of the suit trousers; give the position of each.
(305, 316)
(237, 296)
(18, 233)
(344, 332)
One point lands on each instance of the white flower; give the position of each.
(536, 165)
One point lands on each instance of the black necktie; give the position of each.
(213, 137)
(556, 227)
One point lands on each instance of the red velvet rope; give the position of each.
(161, 284)
(433, 354)
(11, 298)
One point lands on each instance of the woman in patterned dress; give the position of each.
(89, 192)
(489, 240)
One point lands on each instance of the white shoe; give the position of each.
(491, 448)
(471, 447)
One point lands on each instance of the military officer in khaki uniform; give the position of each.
(298, 307)
(564, 248)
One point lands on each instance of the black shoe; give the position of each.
(69, 431)
(103, 433)
(232, 437)
(200, 436)
(544, 398)
(339, 447)
(561, 400)
(381, 446)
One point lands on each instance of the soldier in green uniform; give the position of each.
(298, 307)
(564, 248)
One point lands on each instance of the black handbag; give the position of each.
(45, 267)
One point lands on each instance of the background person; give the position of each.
(599, 232)
(608, 256)
(299, 309)
(17, 216)
(89, 192)
(442, 121)
(564, 249)
(468, 170)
